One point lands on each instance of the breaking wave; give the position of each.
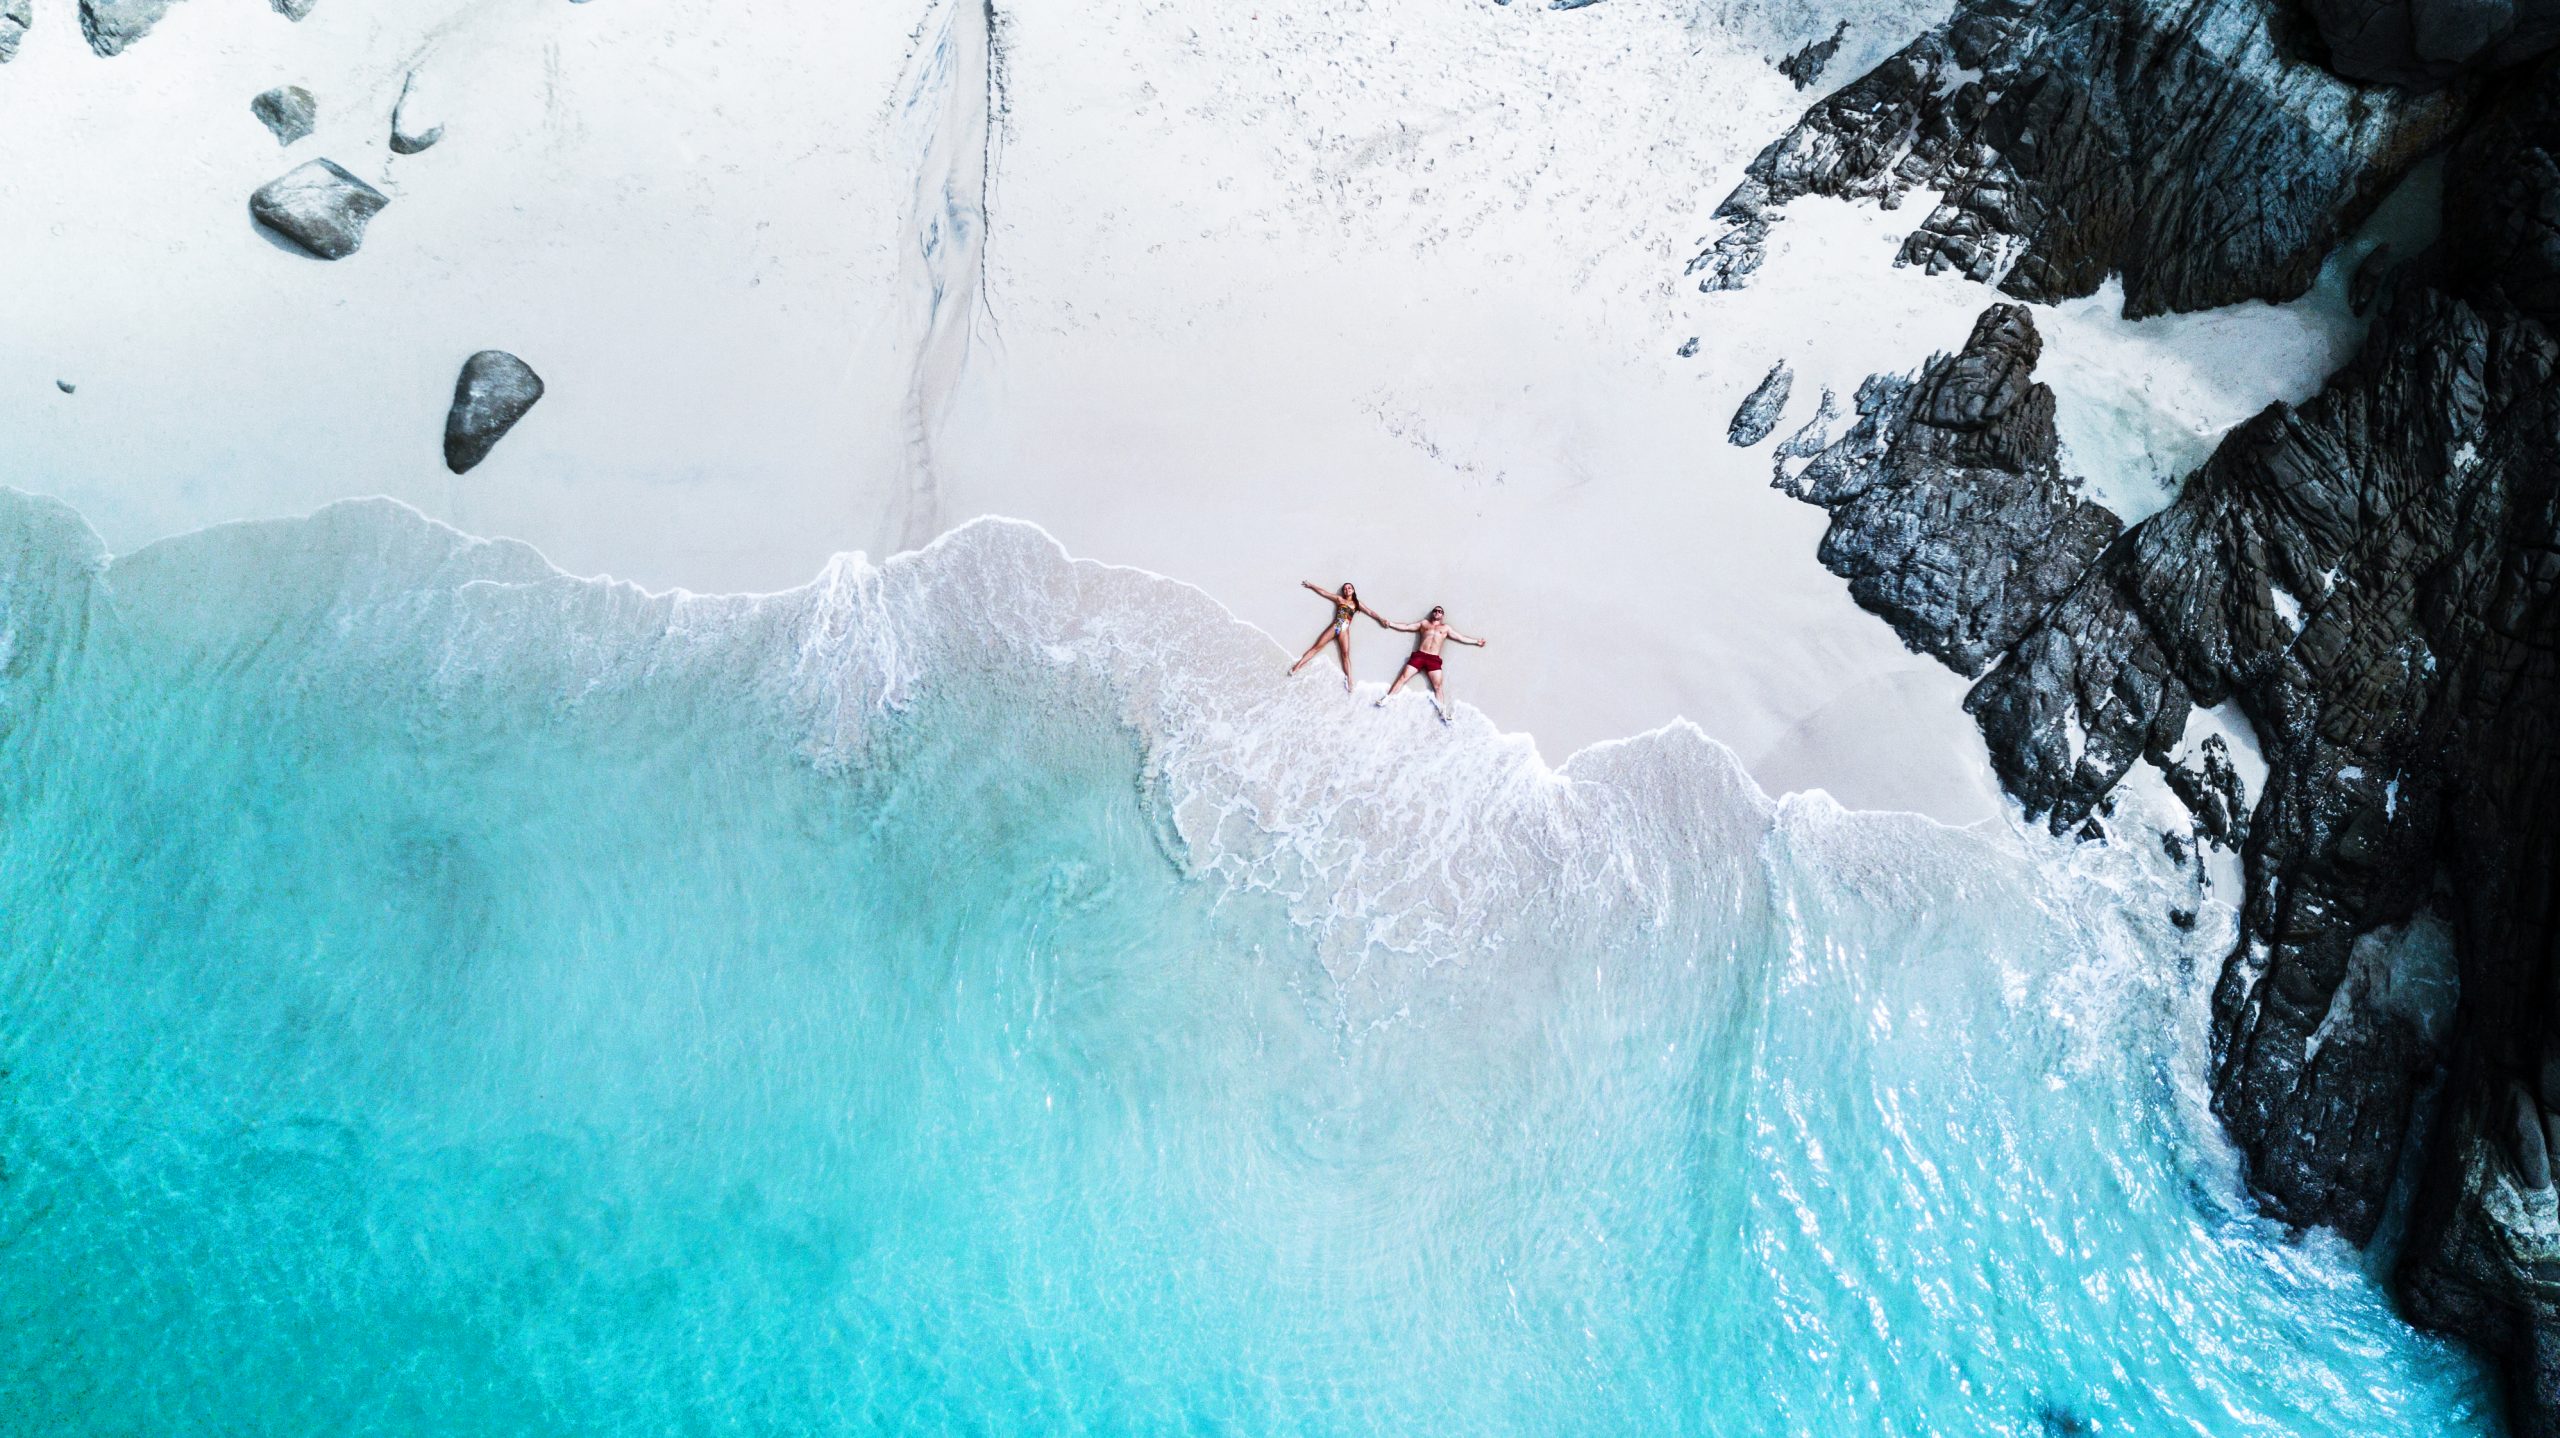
(976, 992)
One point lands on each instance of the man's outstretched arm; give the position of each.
(1466, 639)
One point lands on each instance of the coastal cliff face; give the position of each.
(2373, 578)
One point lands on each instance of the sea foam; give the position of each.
(978, 991)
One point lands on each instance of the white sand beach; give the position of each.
(1386, 291)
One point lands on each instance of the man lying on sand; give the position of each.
(1429, 635)
(1346, 607)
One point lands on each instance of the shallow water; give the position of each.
(972, 995)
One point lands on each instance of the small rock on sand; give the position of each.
(110, 25)
(408, 134)
(319, 207)
(15, 17)
(288, 111)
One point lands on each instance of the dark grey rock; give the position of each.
(2533, 1158)
(111, 25)
(288, 111)
(1551, 4)
(1809, 440)
(1806, 65)
(1758, 416)
(494, 391)
(2366, 283)
(2424, 44)
(408, 137)
(15, 18)
(1950, 515)
(2173, 142)
(2214, 794)
(319, 207)
(66, 386)
(1688, 348)
(293, 9)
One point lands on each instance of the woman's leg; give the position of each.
(1342, 642)
(1322, 640)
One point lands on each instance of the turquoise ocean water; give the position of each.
(975, 995)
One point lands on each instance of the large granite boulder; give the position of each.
(320, 207)
(492, 393)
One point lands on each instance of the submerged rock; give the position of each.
(111, 25)
(493, 392)
(15, 17)
(293, 9)
(1806, 65)
(288, 111)
(1757, 417)
(2172, 142)
(408, 136)
(320, 207)
(66, 386)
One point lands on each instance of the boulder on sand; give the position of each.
(494, 391)
(288, 111)
(320, 207)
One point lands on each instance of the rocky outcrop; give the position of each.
(1757, 416)
(319, 207)
(2373, 577)
(1806, 65)
(288, 112)
(1950, 515)
(2176, 144)
(492, 393)
(2423, 44)
(15, 17)
(111, 25)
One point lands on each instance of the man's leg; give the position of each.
(1401, 676)
(1439, 696)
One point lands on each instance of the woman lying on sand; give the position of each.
(1430, 634)
(1346, 607)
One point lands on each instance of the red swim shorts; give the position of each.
(1427, 663)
